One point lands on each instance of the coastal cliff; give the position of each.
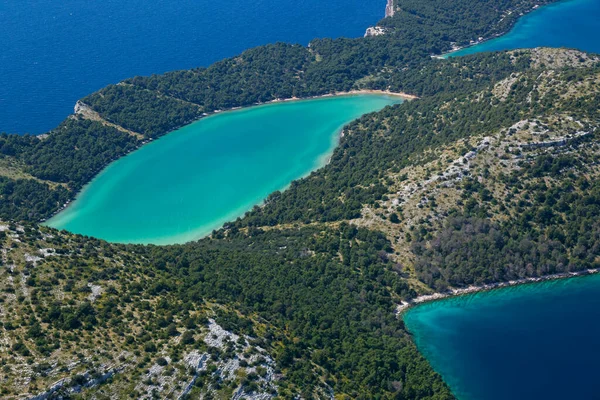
(379, 30)
(389, 8)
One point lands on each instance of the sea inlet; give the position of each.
(534, 341)
(570, 23)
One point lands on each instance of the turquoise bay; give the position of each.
(182, 186)
(535, 341)
(569, 23)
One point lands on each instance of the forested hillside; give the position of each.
(491, 175)
(440, 22)
(110, 123)
(133, 321)
(492, 180)
(515, 160)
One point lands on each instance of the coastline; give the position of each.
(406, 305)
(405, 96)
(479, 41)
(145, 141)
(80, 107)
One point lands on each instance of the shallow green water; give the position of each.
(535, 341)
(184, 185)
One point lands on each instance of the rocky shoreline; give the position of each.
(379, 30)
(405, 305)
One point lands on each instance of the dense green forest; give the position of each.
(489, 176)
(28, 199)
(314, 277)
(329, 322)
(152, 106)
(457, 22)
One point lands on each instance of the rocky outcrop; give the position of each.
(389, 8)
(379, 30)
(67, 386)
(86, 112)
(375, 31)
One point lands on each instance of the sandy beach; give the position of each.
(405, 96)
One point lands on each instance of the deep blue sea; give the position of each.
(538, 341)
(569, 23)
(53, 52)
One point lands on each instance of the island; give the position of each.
(489, 175)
